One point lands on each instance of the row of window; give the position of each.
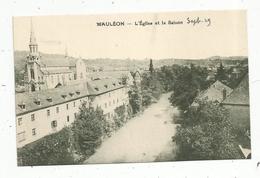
(54, 125)
(48, 113)
(109, 103)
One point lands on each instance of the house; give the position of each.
(216, 92)
(238, 106)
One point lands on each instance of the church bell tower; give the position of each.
(33, 75)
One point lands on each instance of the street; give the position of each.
(145, 138)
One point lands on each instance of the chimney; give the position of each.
(224, 93)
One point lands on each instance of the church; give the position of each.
(43, 73)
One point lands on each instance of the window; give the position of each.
(105, 105)
(117, 100)
(32, 117)
(68, 118)
(67, 106)
(74, 104)
(109, 103)
(114, 102)
(54, 124)
(109, 94)
(48, 112)
(57, 109)
(21, 136)
(32, 73)
(34, 131)
(75, 115)
(20, 121)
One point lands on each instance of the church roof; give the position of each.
(240, 95)
(57, 60)
(56, 71)
(63, 94)
(214, 92)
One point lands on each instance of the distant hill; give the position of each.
(128, 64)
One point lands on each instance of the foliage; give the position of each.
(19, 77)
(120, 117)
(151, 69)
(151, 88)
(135, 99)
(88, 129)
(188, 81)
(52, 149)
(221, 74)
(206, 134)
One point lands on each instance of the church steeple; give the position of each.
(33, 44)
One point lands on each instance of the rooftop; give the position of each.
(214, 92)
(240, 95)
(46, 98)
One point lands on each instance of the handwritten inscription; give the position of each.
(193, 21)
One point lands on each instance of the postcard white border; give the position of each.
(229, 168)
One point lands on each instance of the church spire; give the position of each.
(33, 44)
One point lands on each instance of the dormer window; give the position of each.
(114, 84)
(77, 92)
(37, 101)
(96, 88)
(22, 105)
(64, 96)
(119, 83)
(49, 99)
(105, 86)
(71, 94)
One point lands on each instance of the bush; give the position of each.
(88, 129)
(206, 133)
(54, 149)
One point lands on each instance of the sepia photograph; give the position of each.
(131, 88)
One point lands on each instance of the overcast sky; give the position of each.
(225, 36)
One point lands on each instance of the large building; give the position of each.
(55, 90)
(44, 112)
(42, 73)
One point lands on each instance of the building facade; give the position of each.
(41, 113)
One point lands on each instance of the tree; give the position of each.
(88, 129)
(120, 117)
(135, 99)
(221, 76)
(187, 83)
(151, 69)
(53, 149)
(206, 134)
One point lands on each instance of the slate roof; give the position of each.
(57, 60)
(56, 71)
(108, 74)
(97, 87)
(240, 95)
(214, 92)
(63, 94)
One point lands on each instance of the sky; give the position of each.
(225, 36)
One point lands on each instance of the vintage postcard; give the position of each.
(121, 88)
